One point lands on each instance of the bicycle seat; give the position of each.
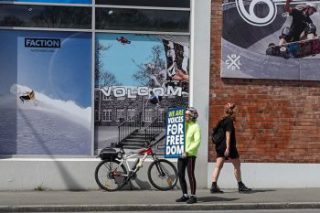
(108, 153)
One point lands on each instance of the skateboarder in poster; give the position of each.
(302, 26)
(154, 99)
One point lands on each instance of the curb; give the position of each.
(158, 207)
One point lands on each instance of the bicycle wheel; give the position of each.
(162, 174)
(110, 176)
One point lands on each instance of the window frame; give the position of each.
(93, 32)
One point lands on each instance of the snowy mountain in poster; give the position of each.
(43, 126)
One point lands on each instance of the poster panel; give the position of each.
(137, 78)
(265, 40)
(175, 132)
(45, 91)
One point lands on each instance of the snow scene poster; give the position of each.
(45, 93)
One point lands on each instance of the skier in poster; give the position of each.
(27, 96)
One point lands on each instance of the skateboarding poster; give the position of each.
(268, 39)
(45, 93)
(137, 78)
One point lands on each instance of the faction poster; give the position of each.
(45, 93)
(137, 78)
(250, 27)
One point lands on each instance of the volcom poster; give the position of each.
(137, 78)
(268, 39)
(45, 93)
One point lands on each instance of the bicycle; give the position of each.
(114, 171)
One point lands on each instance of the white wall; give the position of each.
(58, 174)
(270, 175)
(78, 174)
(199, 78)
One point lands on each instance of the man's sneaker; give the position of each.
(243, 188)
(215, 189)
(192, 200)
(182, 199)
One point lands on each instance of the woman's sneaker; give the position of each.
(182, 199)
(192, 200)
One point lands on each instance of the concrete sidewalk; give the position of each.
(55, 201)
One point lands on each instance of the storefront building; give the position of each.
(73, 71)
(92, 66)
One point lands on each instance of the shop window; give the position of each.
(56, 118)
(148, 115)
(143, 20)
(121, 115)
(55, 1)
(160, 3)
(107, 115)
(13, 15)
(161, 115)
(107, 98)
(131, 113)
(139, 64)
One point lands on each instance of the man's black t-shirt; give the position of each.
(299, 24)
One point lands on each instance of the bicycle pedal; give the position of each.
(170, 182)
(132, 175)
(119, 179)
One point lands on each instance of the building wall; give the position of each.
(57, 173)
(278, 121)
(199, 84)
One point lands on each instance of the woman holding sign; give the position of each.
(188, 159)
(227, 149)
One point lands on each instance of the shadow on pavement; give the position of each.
(136, 184)
(251, 192)
(213, 198)
(257, 191)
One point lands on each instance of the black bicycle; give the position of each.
(114, 171)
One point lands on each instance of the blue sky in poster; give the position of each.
(54, 1)
(122, 59)
(60, 73)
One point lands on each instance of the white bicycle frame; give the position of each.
(125, 157)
